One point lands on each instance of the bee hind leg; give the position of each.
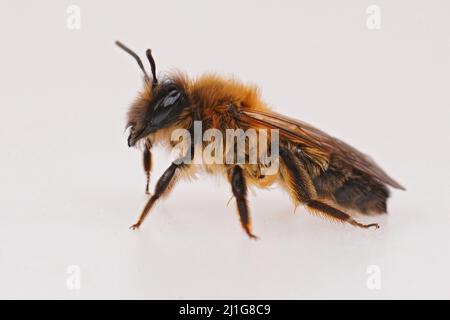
(334, 213)
(302, 189)
(239, 188)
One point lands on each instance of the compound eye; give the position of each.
(171, 98)
(168, 108)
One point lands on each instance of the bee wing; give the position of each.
(316, 144)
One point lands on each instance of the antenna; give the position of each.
(139, 62)
(148, 53)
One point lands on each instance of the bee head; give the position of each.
(157, 106)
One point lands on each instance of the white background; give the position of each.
(70, 187)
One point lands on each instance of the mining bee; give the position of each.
(320, 172)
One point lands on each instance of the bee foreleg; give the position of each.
(163, 185)
(147, 161)
(239, 188)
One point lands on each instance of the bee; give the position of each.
(325, 175)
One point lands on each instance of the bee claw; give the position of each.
(230, 200)
(135, 226)
(251, 235)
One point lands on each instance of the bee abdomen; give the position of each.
(352, 189)
(363, 194)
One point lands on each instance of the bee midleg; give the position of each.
(301, 186)
(164, 184)
(239, 188)
(147, 161)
